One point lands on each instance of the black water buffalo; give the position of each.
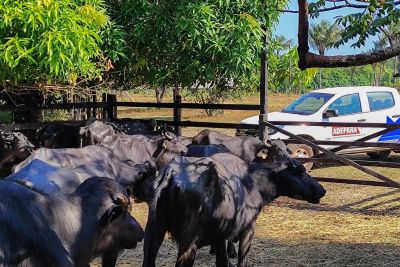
(140, 148)
(84, 162)
(14, 148)
(245, 147)
(203, 201)
(56, 229)
(205, 150)
(94, 132)
(58, 135)
(274, 153)
(122, 233)
(276, 156)
(133, 126)
(185, 140)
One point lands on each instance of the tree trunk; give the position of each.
(176, 91)
(374, 73)
(320, 78)
(160, 92)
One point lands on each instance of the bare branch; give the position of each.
(287, 11)
(335, 7)
(314, 60)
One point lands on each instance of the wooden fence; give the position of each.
(109, 105)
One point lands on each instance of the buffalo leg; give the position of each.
(109, 258)
(153, 237)
(221, 255)
(244, 245)
(186, 254)
(230, 249)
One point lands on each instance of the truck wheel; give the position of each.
(302, 151)
(379, 155)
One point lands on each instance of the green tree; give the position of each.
(210, 46)
(322, 37)
(285, 76)
(282, 44)
(56, 42)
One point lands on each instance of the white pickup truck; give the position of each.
(343, 104)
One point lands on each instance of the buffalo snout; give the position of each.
(318, 192)
(135, 231)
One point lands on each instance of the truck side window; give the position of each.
(380, 100)
(348, 104)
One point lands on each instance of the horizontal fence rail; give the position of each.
(352, 143)
(361, 162)
(55, 106)
(187, 105)
(37, 125)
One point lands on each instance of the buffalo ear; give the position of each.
(164, 144)
(263, 153)
(121, 205)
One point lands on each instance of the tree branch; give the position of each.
(311, 60)
(346, 5)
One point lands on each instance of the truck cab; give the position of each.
(365, 104)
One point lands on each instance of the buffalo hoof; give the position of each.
(212, 250)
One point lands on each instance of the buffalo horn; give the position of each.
(6, 136)
(168, 136)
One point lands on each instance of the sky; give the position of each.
(288, 27)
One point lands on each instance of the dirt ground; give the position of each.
(352, 226)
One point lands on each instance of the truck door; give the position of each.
(382, 110)
(349, 109)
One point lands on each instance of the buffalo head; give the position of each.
(14, 147)
(298, 184)
(105, 193)
(143, 188)
(173, 144)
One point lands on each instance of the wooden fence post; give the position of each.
(111, 109)
(94, 110)
(177, 114)
(114, 108)
(104, 110)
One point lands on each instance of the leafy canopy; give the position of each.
(208, 43)
(367, 17)
(46, 41)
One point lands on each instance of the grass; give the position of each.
(352, 226)
(279, 101)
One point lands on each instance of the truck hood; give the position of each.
(278, 116)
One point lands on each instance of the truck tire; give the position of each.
(379, 155)
(302, 151)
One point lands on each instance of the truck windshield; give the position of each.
(308, 104)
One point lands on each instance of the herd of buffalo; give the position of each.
(67, 195)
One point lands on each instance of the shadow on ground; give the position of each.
(271, 253)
